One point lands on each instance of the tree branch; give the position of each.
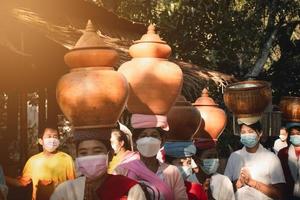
(259, 65)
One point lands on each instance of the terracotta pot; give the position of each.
(290, 108)
(92, 95)
(154, 81)
(247, 98)
(214, 119)
(184, 120)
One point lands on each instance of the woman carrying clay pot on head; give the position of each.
(289, 158)
(121, 144)
(92, 159)
(162, 181)
(217, 186)
(256, 173)
(180, 153)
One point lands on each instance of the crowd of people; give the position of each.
(140, 164)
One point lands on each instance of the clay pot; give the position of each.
(247, 98)
(184, 120)
(214, 119)
(92, 95)
(290, 108)
(154, 81)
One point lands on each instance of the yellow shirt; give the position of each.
(47, 172)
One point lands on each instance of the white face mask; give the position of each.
(148, 146)
(116, 148)
(185, 171)
(283, 137)
(50, 144)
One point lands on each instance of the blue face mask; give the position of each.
(249, 139)
(210, 166)
(295, 140)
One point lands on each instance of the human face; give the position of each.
(115, 143)
(283, 134)
(208, 161)
(92, 159)
(91, 147)
(149, 143)
(249, 137)
(49, 141)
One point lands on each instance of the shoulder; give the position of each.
(63, 155)
(167, 168)
(220, 177)
(67, 184)
(265, 153)
(35, 157)
(283, 152)
(121, 178)
(235, 155)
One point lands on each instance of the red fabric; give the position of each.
(195, 191)
(297, 151)
(205, 144)
(283, 157)
(115, 187)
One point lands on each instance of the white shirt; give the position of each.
(221, 187)
(278, 144)
(264, 166)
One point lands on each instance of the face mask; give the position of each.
(92, 166)
(210, 166)
(295, 140)
(249, 139)
(283, 137)
(148, 146)
(50, 144)
(185, 171)
(116, 148)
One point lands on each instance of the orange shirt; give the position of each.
(48, 170)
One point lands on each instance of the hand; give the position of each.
(239, 183)
(245, 176)
(206, 184)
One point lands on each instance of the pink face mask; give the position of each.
(92, 166)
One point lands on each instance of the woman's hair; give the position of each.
(257, 127)
(105, 142)
(137, 131)
(122, 137)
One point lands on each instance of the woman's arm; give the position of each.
(274, 191)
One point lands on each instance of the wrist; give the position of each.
(252, 183)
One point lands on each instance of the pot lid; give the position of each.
(181, 101)
(205, 100)
(90, 38)
(151, 36)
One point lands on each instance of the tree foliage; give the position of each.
(239, 37)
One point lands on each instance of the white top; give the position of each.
(264, 166)
(221, 187)
(278, 144)
(74, 190)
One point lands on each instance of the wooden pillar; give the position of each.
(23, 127)
(12, 115)
(11, 132)
(52, 107)
(42, 110)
